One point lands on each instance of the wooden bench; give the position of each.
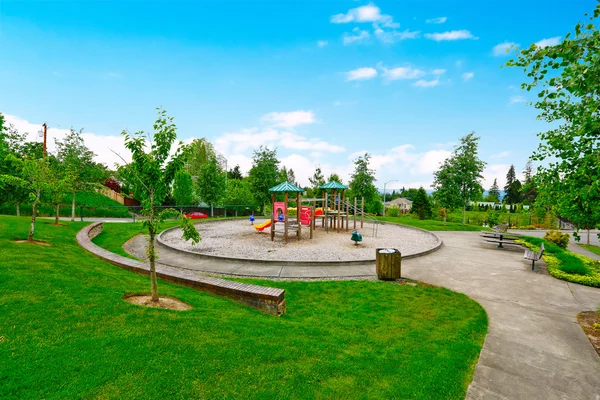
(533, 256)
(501, 228)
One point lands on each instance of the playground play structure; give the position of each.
(333, 214)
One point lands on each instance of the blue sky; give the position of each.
(321, 81)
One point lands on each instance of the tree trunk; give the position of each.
(445, 216)
(56, 214)
(33, 215)
(588, 236)
(18, 209)
(211, 211)
(152, 259)
(464, 214)
(73, 206)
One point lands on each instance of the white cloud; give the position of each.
(289, 119)
(295, 142)
(553, 41)
(361, 74)
(337, 103)
(394, 36)
(101, 145)
(368, 13)
(438, 71)
(458, 63)
(322, 43)
(439, 20)
(503, 48)
(451, 35)
(467, 76)
(357, 36)
(495, 171)
(516, 99)
(425, 83)
(401, 73)
(502, 154)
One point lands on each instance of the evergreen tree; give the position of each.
(421, 204)
(235, 173)
(264, 174)
(494, 192)
(316, 181)
(529, 192)
(512, 189)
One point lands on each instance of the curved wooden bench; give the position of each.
(269, 300)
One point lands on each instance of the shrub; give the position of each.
(558, 238)
(571, 264)
(392, 211)
(492, 218)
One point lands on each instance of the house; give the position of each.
(402, 203)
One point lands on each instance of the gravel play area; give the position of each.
(238, 239)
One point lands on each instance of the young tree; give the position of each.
(76, 158)
(462, 172)
(199, 152)
(362, 184)
(151, 175)
(494, 192)
(33, 176)
(183, 189)
(235, 173)
(566, 78)
(211, 183)
(263, 175)
(421, 205)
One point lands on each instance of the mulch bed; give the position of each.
(163, 302)
(590, 322)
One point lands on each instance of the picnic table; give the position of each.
(501, 238)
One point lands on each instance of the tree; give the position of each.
(409, 193)
(33, 176)
(529, 191)
(316, 181)
(447, 189)
(512, 189)
(334, 177)
(210, 183)
(60, 183)
(566, 78)
(494, 192)
(264, 174)
(78, 165)
(235, 173)
(151, 175)
(239, 194)
(183, 189)
(199, 152)
(461, 176)
(362, 184)
(10, 153)
(421, 205)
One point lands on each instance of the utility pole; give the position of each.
(45, 135)
(384, 198)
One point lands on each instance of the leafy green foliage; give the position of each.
(183, 189)
(235, 173)
(264, 174)
(316, 181)
(362, 184)
(459, 178)
(512, 189)
(494, 192)
(565, 77)
(558, 238)
(239, 194)
(334, 177)
(151, 175)
(421, 205)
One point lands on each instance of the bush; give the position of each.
(492, 218)
(392, 211)
(571, 264)
(558, 238)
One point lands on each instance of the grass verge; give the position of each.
(431, 225)
(67, 333)
(590, 247)
(566, 265)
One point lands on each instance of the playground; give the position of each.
(239, 239)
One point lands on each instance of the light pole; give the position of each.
(393, 180)
(44, 133)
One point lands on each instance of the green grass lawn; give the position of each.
(66, 333)
(431, 225)
(590, 247)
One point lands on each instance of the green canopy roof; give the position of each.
(286, 187)
(334, 185)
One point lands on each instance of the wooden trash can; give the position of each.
(388, 264)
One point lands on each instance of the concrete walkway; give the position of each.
(573, 246)
(534, 349)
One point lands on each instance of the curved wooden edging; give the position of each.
(269, 300)
(364, 262)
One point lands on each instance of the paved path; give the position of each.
(573, 246)
(534, 348)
